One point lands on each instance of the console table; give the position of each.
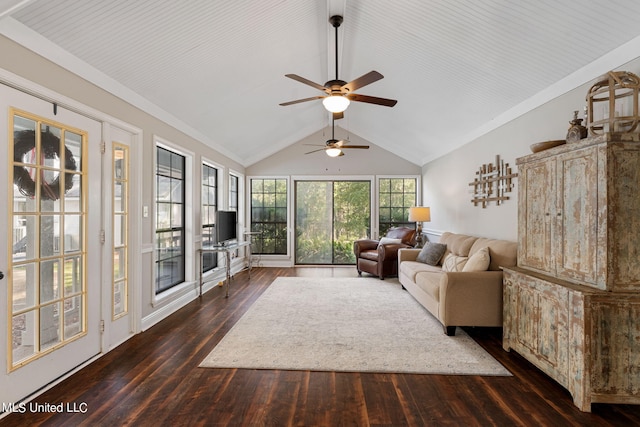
(226, 249)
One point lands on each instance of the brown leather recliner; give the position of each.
(382, 260)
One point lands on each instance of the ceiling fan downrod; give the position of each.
(336, 21)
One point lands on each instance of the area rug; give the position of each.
(346, 325)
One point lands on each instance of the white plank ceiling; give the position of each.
(215, 68)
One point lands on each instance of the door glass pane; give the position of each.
(352, 217)
(73, 195)
(314, 202)
(73, 151)
(49, 280)
(24, 286)
(73, 275)
(24, 235)
(118, 263)
(49, 235)
(72, 233)
(119, 298)
(72, 316)
(119, 229)
(23, 336)
(49, 326)
(49, 180)
(119, 189)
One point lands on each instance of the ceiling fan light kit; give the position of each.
(334, 147)
(336, 103)
(339, 93)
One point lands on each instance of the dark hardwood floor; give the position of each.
(154, 380)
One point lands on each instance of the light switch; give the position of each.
(145, 211)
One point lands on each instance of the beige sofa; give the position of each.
(459, 298)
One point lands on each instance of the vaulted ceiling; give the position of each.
(215, 68)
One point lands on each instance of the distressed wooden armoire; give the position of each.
(572, 305)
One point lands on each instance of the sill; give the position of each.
(172, 293)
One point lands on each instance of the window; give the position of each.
(233, 193)
(269, 216)
(209, 209)
(396, 196)
(170, 219)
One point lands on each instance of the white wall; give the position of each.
(293, 161)
(445, 180)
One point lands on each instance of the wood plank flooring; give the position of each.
(154, 380)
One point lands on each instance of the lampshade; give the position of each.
(333, 152)
(419, 214)
(336, 103)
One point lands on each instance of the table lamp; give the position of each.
(419, 214)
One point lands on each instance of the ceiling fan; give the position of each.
(338, 92)
(333, 147)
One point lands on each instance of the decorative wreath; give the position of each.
(25, 141)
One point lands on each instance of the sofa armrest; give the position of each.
(407, 254)
(463, 293)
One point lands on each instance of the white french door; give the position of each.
(51, 183)
(119, 224)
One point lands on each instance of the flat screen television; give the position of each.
(226, 226)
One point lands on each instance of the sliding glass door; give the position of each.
(330, 216)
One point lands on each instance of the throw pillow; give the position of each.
(454, 263)
(388, 240)
(431, 253)
(479, 261)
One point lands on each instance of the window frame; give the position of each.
(377, 233)
(288, 243)
(187, 221)
(218, 190)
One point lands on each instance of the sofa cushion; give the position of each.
(431, 253)
(454, 263)
(388, 241)
(406, 234)
(479, 261)
(370, 255)
(502, 253)
(412, 268)
(457, 244)
(430, 282)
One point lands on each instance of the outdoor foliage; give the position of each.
(330, 216)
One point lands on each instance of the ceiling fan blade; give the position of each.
(370, 77)
(315, 151)
(372, 99)
(365, 147)
(307, 82)
(297, 101)
(338, 116)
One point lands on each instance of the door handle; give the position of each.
(1, 275)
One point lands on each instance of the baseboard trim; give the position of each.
(176, 304)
